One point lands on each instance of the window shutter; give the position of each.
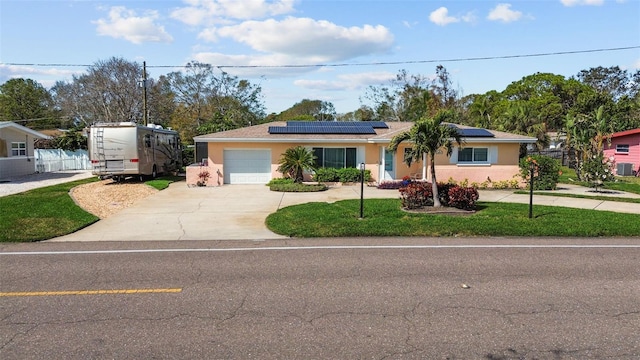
(493, 154)
(453, 159)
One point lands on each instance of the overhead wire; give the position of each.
(381, 63)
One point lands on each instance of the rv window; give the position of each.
(147, 140)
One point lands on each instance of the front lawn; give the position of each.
(383, 217)
(43, 213)
(49, 212)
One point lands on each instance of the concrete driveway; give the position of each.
(230, 212)
(238, 212)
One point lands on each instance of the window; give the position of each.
(472, 155)
(18, 149)
(622, 148)
(336, 158)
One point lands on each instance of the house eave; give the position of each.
(287, 140)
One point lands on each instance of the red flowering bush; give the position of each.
(419, 194)
(463, 197)
(416, 195)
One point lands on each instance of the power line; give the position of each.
(406, 62)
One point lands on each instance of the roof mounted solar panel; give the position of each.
(475, 133)
(472, 132)
(374, 124)
(318, 129)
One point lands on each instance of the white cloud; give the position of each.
(125, 24)
(582, 2)
(355, 81)
(441, 17)
(469, 17)
(312, 41)
(254, 66)
(45, 76)
(207, 12)
(503, 12)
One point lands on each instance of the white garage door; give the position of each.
(247, 166)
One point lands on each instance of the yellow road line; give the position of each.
(90, 292)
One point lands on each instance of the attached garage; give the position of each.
(247, 166)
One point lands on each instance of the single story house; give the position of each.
(250, 155)
(16, 149)
(625, 149)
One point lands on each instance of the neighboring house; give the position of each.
(16, 149)
(250, 155)
(625, 149)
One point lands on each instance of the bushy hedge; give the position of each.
(293, 187)
(419, 194)
(345, 175)
(546, 171)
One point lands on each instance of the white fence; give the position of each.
(48, 160)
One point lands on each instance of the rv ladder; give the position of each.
(102, 159)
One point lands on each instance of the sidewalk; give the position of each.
(572, 202)
(238, 212)
(15, 185)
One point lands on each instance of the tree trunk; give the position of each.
(434, 183)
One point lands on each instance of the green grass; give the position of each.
(163, 182)
(591, 197)
(383, 217)
(625, 183)
(42, 214)
(49, 212)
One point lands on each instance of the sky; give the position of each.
(329, 50)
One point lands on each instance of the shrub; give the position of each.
(391, 185)
(297, 187)
(326, 175)
(463, 197)
(443, 192)
(419, 194)
(416, 195)
(598, 169)
(280, 181)
(546, 171)
(345, 175)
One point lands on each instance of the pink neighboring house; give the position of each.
(625, 149)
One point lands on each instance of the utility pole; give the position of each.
(145, 120)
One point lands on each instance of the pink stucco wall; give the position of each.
(633, 157)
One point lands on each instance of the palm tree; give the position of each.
(295, 161)
(428, 135)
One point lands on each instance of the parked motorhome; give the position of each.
(119, 150)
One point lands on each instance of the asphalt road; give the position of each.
(322, 299)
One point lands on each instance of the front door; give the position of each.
(388, 165)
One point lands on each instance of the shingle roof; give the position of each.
(11, 124)
(260, 133)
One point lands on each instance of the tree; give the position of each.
(295, 161)
(611, 81)
(205, 100)
(108, 92)
(309, 110)
(403, 99)
(71, 140)
(548, 96)
(428, 136)
(445, 95)
(28, 100)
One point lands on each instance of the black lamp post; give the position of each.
(361, 190)
(531, 171)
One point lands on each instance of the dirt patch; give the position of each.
(105, 198)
